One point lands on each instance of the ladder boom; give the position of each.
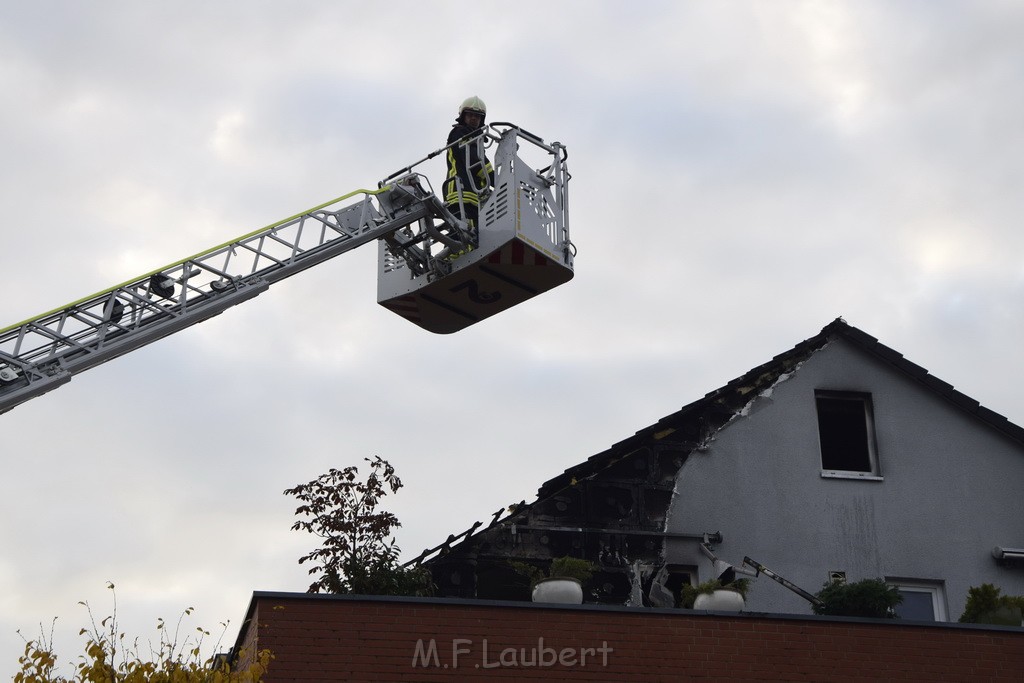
(42, 353)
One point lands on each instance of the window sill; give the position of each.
(862, 476)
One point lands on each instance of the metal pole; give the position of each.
(788, 584)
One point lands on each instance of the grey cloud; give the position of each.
(739, 181)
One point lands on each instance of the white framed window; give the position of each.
(922, 600)
(846, 434)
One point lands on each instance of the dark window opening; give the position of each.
(845, 431)
(916, 605)
(679, 576)
(922, 600)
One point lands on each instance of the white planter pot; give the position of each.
(563, 591)
(722, 600)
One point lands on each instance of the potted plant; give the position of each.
(985, 605)
(715, 596)
(872, 598)
(563, 582)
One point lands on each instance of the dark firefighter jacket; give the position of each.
(472, 175)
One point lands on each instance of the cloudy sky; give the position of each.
(743, 173)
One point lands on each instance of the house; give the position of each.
(838, 458)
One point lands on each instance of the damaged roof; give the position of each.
(694, 425)
(728, 400)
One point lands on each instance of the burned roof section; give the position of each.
(612, 507)
(695, 423)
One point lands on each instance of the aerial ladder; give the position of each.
(434, 269)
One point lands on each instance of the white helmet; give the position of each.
(473, 103)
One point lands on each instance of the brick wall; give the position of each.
(345, 638)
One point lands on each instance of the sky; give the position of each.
(743, 173)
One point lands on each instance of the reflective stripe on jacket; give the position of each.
(466, 176)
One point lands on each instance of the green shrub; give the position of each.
(872, 598)
(984, 600)
(561, 567)
(571, 568)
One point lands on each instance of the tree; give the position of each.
(358, 554)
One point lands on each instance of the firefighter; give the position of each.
(469, 171)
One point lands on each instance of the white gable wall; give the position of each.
(951, 490)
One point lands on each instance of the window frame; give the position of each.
(874, 471)
(934, 588)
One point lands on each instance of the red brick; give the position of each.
(340, 639)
